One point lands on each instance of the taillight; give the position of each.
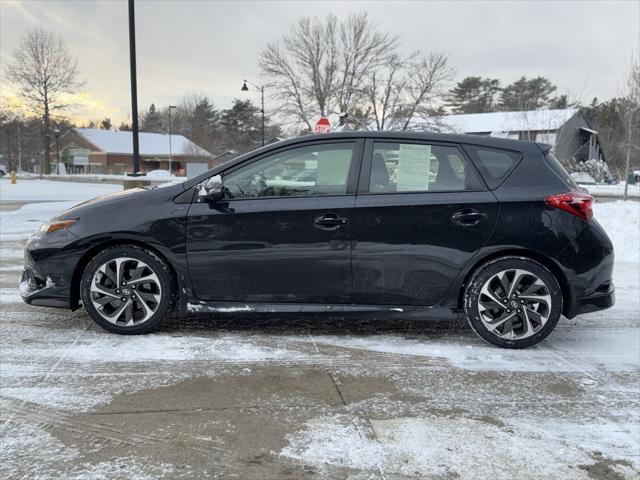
(576, 203)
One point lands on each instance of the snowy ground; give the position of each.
(613, 191)
(292, 398)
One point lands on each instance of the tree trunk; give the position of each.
(44, 163)
(628, 160)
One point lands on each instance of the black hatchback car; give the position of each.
(413, 225)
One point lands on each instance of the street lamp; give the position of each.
(56, 132)
(245, 88)
(170, 154)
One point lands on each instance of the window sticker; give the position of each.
(333, 167)
(413, 167)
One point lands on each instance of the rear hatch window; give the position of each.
(494, 164)
(559, 170)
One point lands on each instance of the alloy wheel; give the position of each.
(514, 304)
(125, 291)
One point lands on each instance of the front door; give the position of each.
(282, 232)
(421, 213)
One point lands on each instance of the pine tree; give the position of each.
(474, 95)
(151, 121)
(525, 94)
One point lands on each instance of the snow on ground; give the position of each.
(48, 190)
(613, 190)
(20, 224)
(438, 447)
(380, 401)
(621, 220)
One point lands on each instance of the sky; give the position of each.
(209, 47)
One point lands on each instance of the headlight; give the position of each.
(54, 226)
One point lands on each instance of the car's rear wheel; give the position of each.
(126, 289)
(513, 302)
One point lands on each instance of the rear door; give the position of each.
(422, 212)
(283, 231)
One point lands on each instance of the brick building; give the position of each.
(88, 150)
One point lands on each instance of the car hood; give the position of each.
(133, 196)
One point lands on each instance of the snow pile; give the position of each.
(48, 190)
(621, 220)
(22, 223)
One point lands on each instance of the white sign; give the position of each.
(413, 168)
(78, 160)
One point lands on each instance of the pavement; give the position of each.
(289, 397)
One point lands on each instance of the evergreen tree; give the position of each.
(525, 94)
(151, 121)
(105, 124)
(474, 95)
(202, 124)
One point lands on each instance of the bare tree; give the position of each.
(319, 67)
(43, 71)
(404, 90)
(629, 111)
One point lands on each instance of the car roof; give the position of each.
(506, 143)
(424, 136)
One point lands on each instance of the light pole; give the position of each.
(245, 88)
(170, 154)
(56, 132)
(134, 90)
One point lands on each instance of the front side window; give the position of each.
(407, 167)
(304, 171)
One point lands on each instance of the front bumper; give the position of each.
(48, 270)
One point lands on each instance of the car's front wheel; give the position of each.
(513, 302)
(126, 289)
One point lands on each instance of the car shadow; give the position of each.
(316, 324)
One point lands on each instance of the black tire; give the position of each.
(486, 273)
(157, 265)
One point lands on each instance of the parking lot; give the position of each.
(241, 396)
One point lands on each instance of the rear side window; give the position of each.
(557, 167)
(409, 167)
(494, 164)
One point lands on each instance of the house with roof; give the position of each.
(89, 150)
(567, 130)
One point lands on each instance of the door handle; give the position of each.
(329, 221)
(468, 217)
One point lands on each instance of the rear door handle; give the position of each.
(329, 221)
(468, 217)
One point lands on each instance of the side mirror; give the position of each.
(211, 189)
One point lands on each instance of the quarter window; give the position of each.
(494, 164)
(408, 167)
(312, 170)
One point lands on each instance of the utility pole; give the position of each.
(245, 88)
(19, 149)
(628, 159)
(134, 89)
(170, 152)
(262, 111)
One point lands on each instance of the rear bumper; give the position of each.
(596, 301)
(587, 263)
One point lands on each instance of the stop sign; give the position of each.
(323, 125)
